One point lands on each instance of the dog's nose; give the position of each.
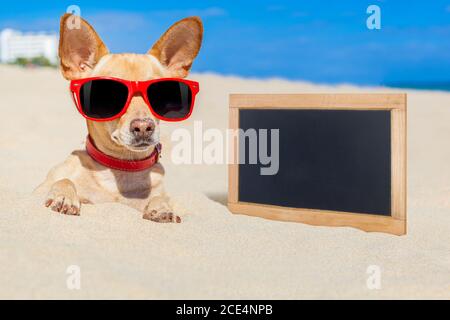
(142, 128)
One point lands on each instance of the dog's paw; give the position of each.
(64, 205)
(162, 217)
(159, 211)
(63, 198)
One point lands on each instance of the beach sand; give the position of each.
(213, 254)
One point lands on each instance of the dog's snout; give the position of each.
(142, 128)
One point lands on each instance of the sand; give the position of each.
(213, 254)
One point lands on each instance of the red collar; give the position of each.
(122, 165)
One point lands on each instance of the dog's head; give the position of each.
(83, 54)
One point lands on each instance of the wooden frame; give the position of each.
(396, 103)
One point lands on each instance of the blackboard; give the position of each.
(336, 160)
(341, 159)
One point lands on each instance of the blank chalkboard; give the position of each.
(336, 160)
(341, 159)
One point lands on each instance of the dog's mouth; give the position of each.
(136, 145)
(141, 145)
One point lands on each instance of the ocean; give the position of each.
(441, 86)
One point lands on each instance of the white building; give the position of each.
(15, 44)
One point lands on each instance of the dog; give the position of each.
(81, 179)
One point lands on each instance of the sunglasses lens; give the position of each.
(170, 99)
(103, 99)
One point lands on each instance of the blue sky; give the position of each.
(322, 41)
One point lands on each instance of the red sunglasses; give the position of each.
(106, 99)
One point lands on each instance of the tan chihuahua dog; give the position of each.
(81, 179)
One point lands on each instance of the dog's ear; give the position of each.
(179, 46)
(80, 47)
